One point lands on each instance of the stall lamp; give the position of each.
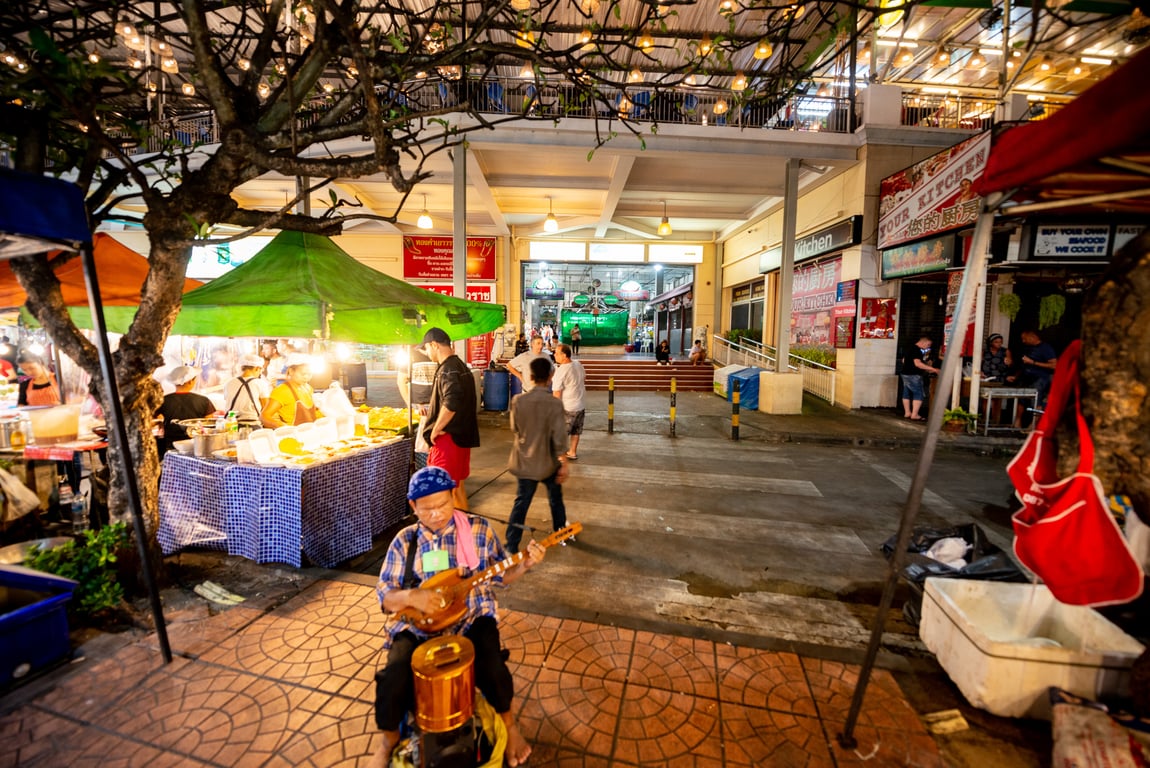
(550, 224)
(763, 50)
(739, 83)
(462, 317)
(424, 221)
(665, 224)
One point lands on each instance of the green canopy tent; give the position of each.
(300, 284)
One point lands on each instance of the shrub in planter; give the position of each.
(91, 562)
(957, 420)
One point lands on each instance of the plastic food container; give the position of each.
(54, 423)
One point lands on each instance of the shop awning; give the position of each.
(668, 295)
(1094, 151)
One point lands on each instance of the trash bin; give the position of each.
(748, 379)
(496, 392)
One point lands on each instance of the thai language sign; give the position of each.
(932, 196)
(478, 347)
(428, 257)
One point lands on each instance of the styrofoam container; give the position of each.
(1004, 644)
(722, 380)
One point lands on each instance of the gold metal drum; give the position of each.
(444, 669)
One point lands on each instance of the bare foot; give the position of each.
(518, 750)
(383, 756)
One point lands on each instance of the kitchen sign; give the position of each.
(834, 238)
(932, 196)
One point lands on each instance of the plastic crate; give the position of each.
(723, 379)
(748, 379)
(33, 621)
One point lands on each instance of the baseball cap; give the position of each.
(427, 481)
(438, 335)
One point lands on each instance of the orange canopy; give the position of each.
(121, 271)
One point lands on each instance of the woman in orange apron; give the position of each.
(39, 386)
(292, 402)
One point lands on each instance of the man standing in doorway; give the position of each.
(917, 363)
(520, 365)
(451, 428)
(569, 385)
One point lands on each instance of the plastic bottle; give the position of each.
(232, 422)
(79, 513)
(17, 441)
(221, 423)
(65, 500)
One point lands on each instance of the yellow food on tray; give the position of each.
(291, 447)
(384, 417)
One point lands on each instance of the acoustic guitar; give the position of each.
(453, 588)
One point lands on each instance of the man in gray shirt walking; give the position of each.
(538, 451)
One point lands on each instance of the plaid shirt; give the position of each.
(481, 599)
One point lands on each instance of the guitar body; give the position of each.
(453, 587)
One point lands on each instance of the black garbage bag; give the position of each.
(985, 562)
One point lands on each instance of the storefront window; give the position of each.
(609, 302)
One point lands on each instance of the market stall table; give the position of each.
(331, 510)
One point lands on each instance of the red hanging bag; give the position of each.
(1064, 532)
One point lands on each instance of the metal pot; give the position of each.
(206, 443)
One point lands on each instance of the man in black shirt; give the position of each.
(182, 404)
(452, 426)
(917, 363)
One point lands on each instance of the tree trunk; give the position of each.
(1116, 374)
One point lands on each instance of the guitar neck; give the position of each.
(503, 566)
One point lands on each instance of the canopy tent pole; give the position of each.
(975, 266)
(120, 442)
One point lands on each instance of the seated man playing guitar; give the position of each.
(437, 552)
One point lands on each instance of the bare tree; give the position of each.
(114, 95)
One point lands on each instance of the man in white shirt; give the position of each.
(520, 365)
(569, 385)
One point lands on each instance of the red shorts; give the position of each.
(445, 453)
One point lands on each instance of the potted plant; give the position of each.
(957, 420)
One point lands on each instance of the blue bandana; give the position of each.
(427, 481)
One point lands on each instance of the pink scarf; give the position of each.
(465, 553)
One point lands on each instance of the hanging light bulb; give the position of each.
(170, 65)
(976, 61)
(589, 6)
(942, 58)
(94, 57)
(424, 221)
(635, 76)
(1045, 64)
(135, 63)
(244, 64)
(188, 89)
(645, 40)
(691, 80)
(328, 87)
(665, 224)
(726, 6)
(904, 58)
(763, 50)
(823, 91)
(127, 30)
(521, 5)
(720, 107)
(525, 38)
(1080, 69)
(739, 83)
(550, 224)
(706, 46)
(527, 72)
(585, 36)
(264, 89)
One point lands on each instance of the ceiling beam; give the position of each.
(620, 171)
(481, 189)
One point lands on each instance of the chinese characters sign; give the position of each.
(430, 258)
(814, 295)
(932, 196)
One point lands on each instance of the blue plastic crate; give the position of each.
(33, 621)
(748, 379)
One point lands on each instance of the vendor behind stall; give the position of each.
(38, 386)
(292, 402)
(181, 404)
(248, 393)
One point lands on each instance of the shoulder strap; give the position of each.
(409, 580)
(236, 396)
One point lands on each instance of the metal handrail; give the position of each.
(818, 379)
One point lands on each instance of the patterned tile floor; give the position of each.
(294, 687)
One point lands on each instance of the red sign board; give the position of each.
(478, 347)
(430, 258)
(932, 196)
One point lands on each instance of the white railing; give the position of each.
(818, 379)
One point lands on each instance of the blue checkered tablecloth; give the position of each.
(329, 511)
